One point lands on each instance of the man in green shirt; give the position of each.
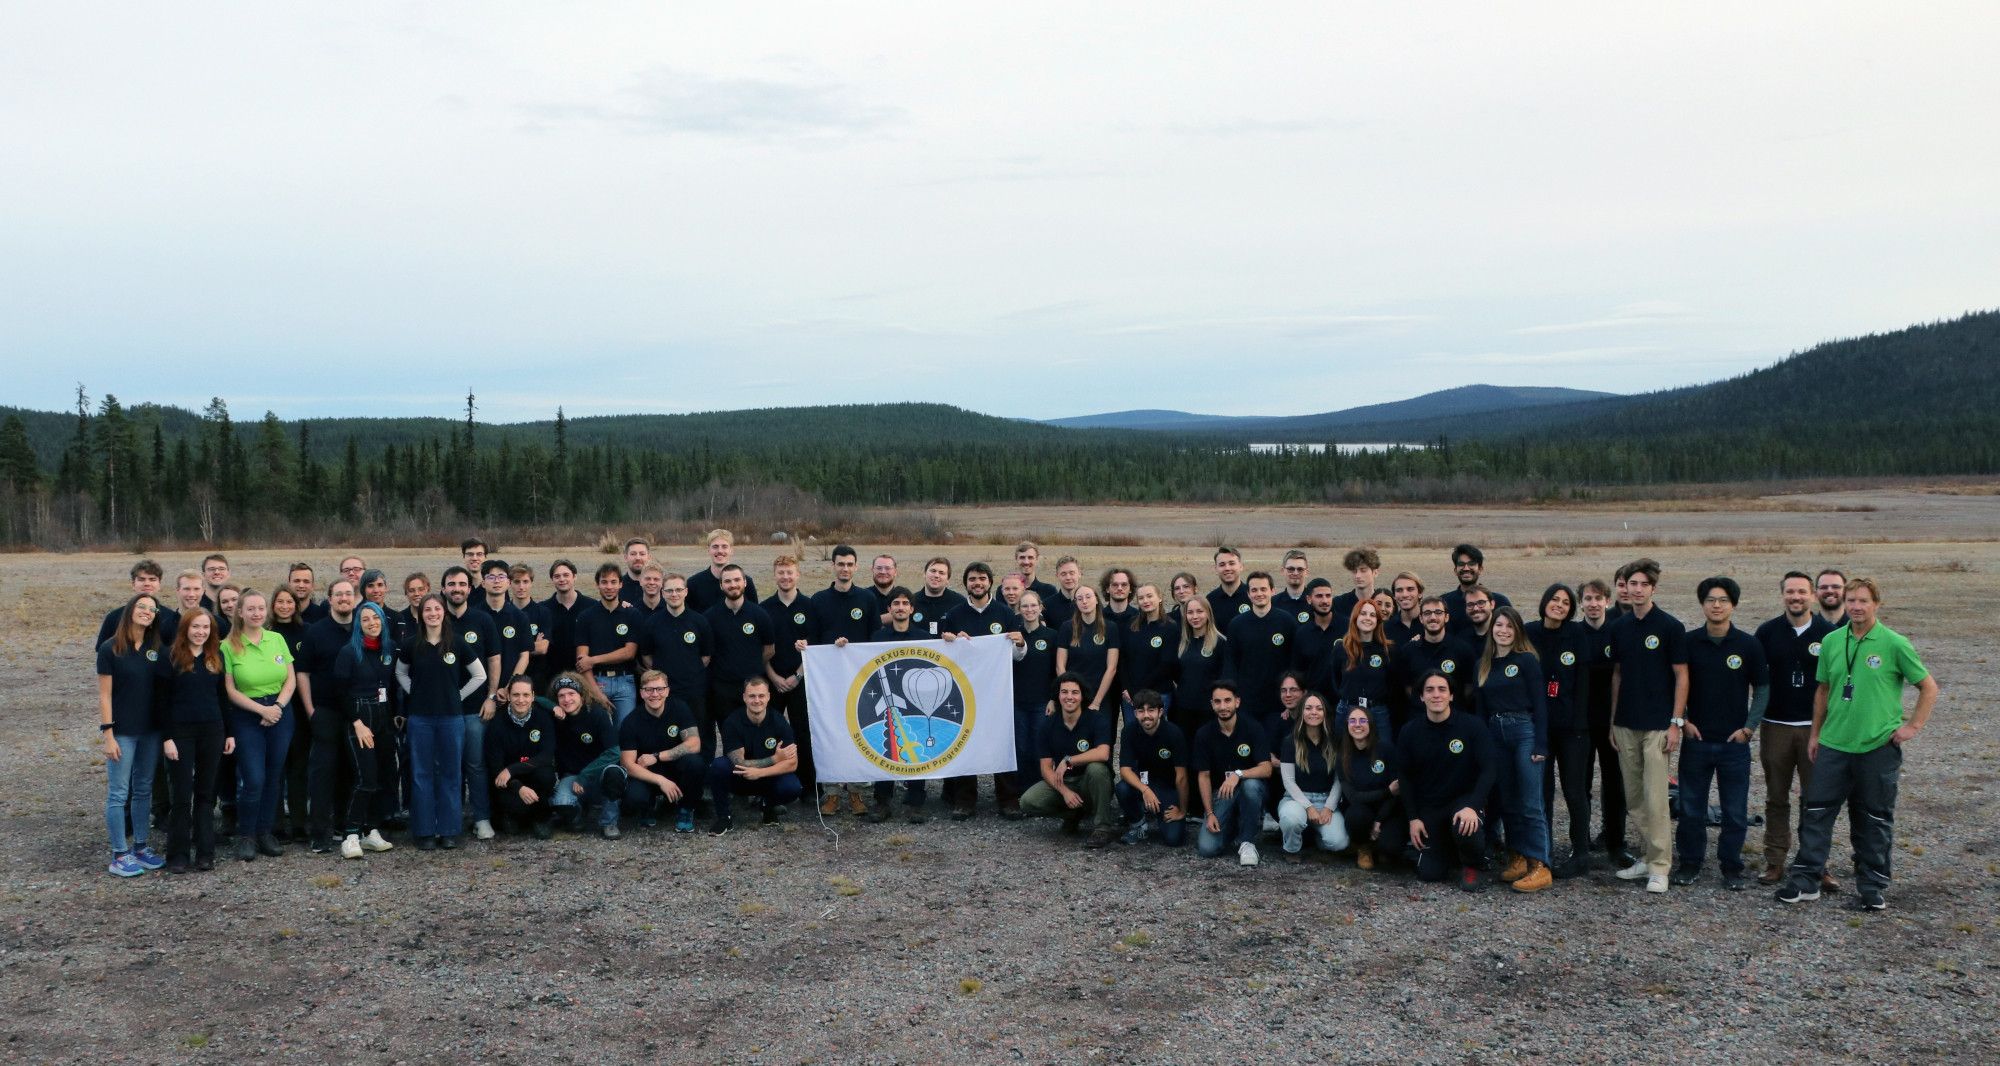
(1856, 745)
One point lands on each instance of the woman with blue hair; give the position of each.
(364, 674)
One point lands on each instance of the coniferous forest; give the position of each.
(1917, 402)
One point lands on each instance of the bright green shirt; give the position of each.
(1878, 666)
(260, 668)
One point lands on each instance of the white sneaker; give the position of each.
(1270, 824)
(1656, 883)
(351, 847)
(374, 842)
(1634, 872)
(483, 829)
(1246, 854)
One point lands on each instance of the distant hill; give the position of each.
(1444, 406)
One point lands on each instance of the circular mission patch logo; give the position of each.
(910, 710)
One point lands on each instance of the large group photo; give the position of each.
(786, 534)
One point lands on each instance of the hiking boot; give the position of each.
(1537, 878)
(1516, 868)
(1364, 857)
(830, 806)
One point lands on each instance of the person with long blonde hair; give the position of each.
(1308, 765)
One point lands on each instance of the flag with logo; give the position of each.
(911, 711)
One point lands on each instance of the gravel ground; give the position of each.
(986, 941)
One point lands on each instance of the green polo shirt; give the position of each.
(1883, 662)
(260, 668)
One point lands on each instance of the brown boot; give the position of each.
(1772, 874)
(856, 806)
(1535, 879)
(1364, 857)
(1829, 883)
(831, 804)
(1516, 868)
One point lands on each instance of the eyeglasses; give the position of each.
(1295, 570)
(654, 688)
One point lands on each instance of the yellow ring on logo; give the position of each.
(931, 658)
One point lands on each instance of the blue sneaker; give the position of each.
(148, 858)
(124, 865)
(684, 821)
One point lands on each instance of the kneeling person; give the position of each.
(1153, 774)
(586, 751)
(522, 743)
(659, 755)
(760, 758)
(1232, 762)
(1075, 749)
(1448, 765)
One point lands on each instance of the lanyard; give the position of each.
(1853, 650)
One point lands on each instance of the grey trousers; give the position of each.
(1866, 785)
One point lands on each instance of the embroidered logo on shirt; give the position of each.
(1652, 642)
(770, 743)
(1304, 616)
(1874, 662)
(152, 655)
(1375, 660)
(1813, 649)
(799, 618)
(1512, 670)
(687, 637)
(1448, 666)
(855, 614)
(994, 629)
(451, 658)
(1097, 639)
(1242, 751)
(1568, 658)
(586, 738)
(672, 731)
(749, 629)
(1083, 745)
(507, 631)
(1166, 753)
(1456, 747)
(1242, 607)
(1041, 645)
(534, 736)
(1277, 640)
(472, 636)
(1156, 641)
(622, 629)
(1734, 662)
(1379, 766)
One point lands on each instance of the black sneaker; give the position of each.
(205, 864)
(246, 849)
(610, 831)
(1468, 879)
(1686, 875)
(268, 845)
(1871, 900)
(1735, 882)
(1575, 866)
(1792, 893)
(543, 828)
(772, 812)
(322, 845)
(721, 825)
(427, 843)
(448, 843)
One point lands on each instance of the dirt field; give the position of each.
(997, 942)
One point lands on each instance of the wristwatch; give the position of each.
(1679, 722)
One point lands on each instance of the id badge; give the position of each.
(1554, 688)
(1145, 778)
(1798, 678)
(1847, 692)
(381, 694)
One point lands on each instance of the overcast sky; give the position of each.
(1030, 210)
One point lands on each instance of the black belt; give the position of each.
(612, 673)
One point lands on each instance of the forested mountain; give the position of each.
(1919, 401)
(1440, 406)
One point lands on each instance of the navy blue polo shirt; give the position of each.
(790, 623)
(1259, 650)
(1157, 754)
(133, 678)
(1720, 677)
(990, 620)
(1243, 748)
(642, 733)
(603, 632)
(511, 627)
(1646, 650)
(758, 740)
(676, 645)
(1035, 670)
(740, 639)
(1055, 741)
(705, 590)
(851, 614)
(931, 610)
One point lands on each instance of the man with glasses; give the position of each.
(1469, 564)
(214, 575)
(1831, 588)
(1434, 650)
(352, 567)
(1291, 599)
(659, 758)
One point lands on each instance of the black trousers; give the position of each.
(375, 771)
(1570, 750)
(295, 815)
(724, 699)
(793, 706)
(1611, 782)
(191, 822)
(329, 777)
(1445, 846)
(507, 801)
(638, 797)
(1361, 816)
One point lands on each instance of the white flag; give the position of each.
(911, 711)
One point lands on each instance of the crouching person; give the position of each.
(522, 744)
(659, 758)
(760, 758)
(1232, 761)
(586, 750)
(1153, 775)
(1448, 766)
(1075, 760)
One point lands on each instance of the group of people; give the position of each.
(1377, 720)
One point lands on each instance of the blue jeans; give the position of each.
(1292, 825)
(1729, 766)
(129, 786)
(472, 761)
(623, 692)
(1518, 786)
(602, 789)
(1173, 834)
(260, 768)
(1240, 815)
(435, 740)
(723, 783)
